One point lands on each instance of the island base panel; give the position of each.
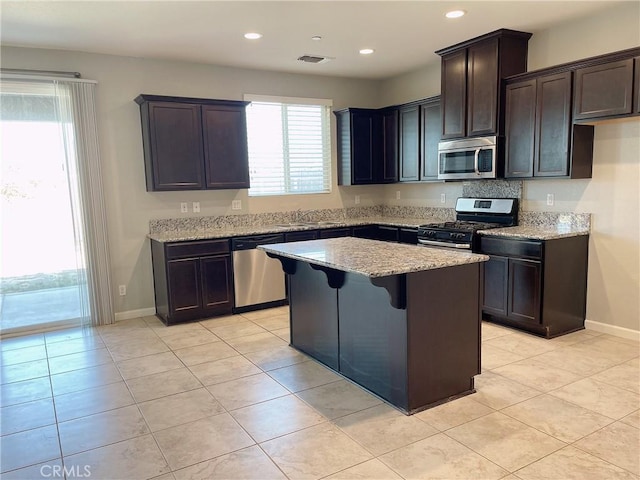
(443, 334)
(373, 339)
(314, 306)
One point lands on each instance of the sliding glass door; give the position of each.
(42, 279)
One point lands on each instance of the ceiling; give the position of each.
(404, 34)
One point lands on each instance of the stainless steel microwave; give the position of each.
(468, 158)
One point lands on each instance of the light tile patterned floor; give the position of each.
(227, 398)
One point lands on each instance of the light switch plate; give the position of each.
(357, 200)
(550, 199)
(443, 198)
(236, 205)
(196, 207)
(184, 207)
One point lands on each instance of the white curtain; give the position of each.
(76, 115)
(76, 101)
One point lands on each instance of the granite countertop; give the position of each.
(372, 258)
(537, 232)
(184, 235)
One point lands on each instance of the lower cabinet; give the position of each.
(538, 286)
(387, 233)
(301, 236)
(192, 279)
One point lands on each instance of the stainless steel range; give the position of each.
(472, 215)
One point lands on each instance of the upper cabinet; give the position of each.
(605, 90)
(541, 140)
(194, 144)
(471, 82)
(419, 137)
(367, 146)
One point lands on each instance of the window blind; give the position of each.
(289, 148)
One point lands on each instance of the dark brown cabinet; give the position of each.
(636, 85)
(419, 137)
(604, 90)
(409, 143)
(389, 165)
(301, 236)
(429, 138)
(193, 144)
(541, 140)
(538, 286)
(367, 146)
(471, 81)
(334, 232)
(192, 280)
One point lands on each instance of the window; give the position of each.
(289, 145)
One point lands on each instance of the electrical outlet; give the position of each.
(236, 205)
(196, 207)
(184, 207)
(397, 194)
(550, 199)
(357, 200)
(122, 290)
(443, 198)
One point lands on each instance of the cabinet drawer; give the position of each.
(511, 248)
(196, 249)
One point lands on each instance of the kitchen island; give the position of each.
(402, 321)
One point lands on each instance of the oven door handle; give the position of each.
(476, 159)
(460, 246)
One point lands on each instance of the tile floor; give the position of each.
(226, 398)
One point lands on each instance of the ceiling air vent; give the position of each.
(314, 59)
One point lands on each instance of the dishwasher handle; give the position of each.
(249, 243)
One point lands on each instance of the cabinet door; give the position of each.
(454, 95)
(409, 143)
(363, 129)
(185, 294)
(334, 232)
(482, 78)
(301, 236)
(496, 274)
(604, 90)
(520, 116)
(636, 88)
(225, 146)
(217, 291)
(408, 235)
(429, 138)
(553, 125)
(390, 149)
(387, 234)
(366, 231)
(175, 155)
(525, 277)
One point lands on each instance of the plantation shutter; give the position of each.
(289, 146)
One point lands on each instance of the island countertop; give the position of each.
(372, 258)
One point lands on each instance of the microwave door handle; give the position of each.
(476, 158)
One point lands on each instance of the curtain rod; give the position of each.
(41, 72)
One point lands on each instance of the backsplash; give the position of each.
(493, 189)
(581, 221)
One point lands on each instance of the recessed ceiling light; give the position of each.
(366, 51)
(455, 14)
(316, 38)
(252, 36)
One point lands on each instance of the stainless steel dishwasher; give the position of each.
(258, 280)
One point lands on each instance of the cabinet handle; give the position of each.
(476, 158)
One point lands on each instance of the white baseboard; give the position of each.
(143, 312)
(612, 330)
